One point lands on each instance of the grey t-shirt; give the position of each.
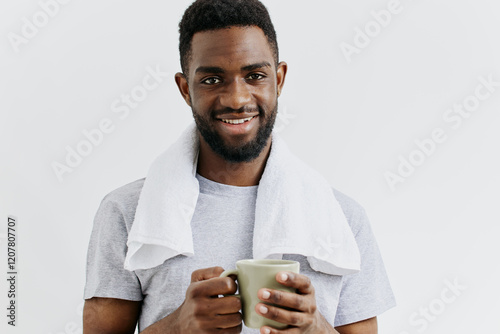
(222, 228)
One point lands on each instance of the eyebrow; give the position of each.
(209, 69)
(254, 67)
(219, 70)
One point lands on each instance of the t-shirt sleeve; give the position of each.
(368, 293)
(106, 276)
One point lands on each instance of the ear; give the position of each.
(280, 76)
(182, 84)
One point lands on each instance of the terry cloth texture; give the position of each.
(295, 211)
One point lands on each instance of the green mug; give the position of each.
(253, 275)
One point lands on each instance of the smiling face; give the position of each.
(232, 87)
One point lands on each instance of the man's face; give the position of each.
(232, 89)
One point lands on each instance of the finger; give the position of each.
(300, 282)
(212, 287)
(221, 323)
(225, 305)
(206, 273)
(270, 330)
(228, 320)
(291, 318)
(233, 330)
(230, 330)
(302, 303)
(211, 309)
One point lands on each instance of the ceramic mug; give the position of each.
(253, 275)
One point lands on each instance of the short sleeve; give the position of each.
(106, 276)
(368, 293)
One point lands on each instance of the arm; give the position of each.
(201, 311)
(368, 326)
(118, 316)
(110, 316)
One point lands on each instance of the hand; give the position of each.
(304, 316)
(202, 311)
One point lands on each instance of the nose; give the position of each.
(236, 95)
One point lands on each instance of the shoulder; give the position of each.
(353, 211)
(121, 203)
(127, 194)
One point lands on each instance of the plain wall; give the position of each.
(354, 118)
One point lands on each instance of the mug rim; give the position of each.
(266, 262)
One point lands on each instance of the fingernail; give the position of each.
(284, 277)
(266, 294)
(267, 331)
(263, 309)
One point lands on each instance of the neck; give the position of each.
(243, 174)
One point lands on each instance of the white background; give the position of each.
(351, 121)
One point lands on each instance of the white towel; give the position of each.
(296, 212)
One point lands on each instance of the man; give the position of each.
(231, 78)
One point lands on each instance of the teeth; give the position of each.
(237, 121)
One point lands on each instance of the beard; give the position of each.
(245, 151)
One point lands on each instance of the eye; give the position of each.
(256, 76)
(211, 81)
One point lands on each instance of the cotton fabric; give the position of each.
(222, 228)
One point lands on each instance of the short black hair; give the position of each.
(206, 15)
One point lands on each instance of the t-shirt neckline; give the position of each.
(211, 187)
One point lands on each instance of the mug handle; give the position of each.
(227, 273)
